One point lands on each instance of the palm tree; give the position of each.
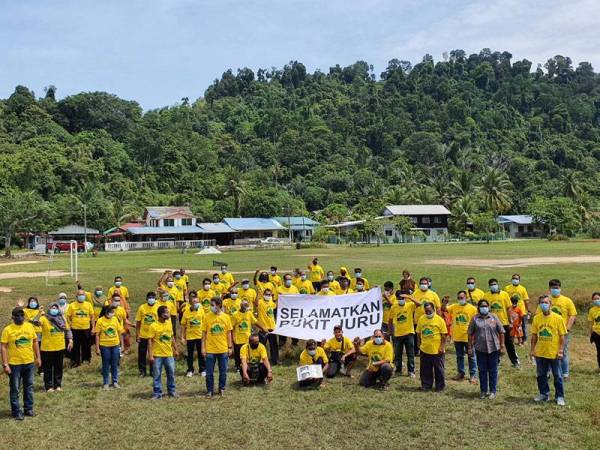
(236, 188)
(496, 191)
(463, 184)
(462, 212)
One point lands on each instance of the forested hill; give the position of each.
(477, 133)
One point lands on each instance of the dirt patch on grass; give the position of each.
(517, 262)
(217, 270)
(18, 263)
(52, 274)
(5, 289)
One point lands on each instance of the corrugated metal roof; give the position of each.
(188, 229)
(73, 229)
(215, 227)
(158, 212)
(296, 221)
(518, 219)
(417, 210)
(350, 223)
(253, 224)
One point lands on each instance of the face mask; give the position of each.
(273, 272)
(462, 301)
(223, 271)
(515, 282)
(325, 289)
(118, 283)
(357, 274)
(254, 346)
(110, 315)
(33, 305)
(378, 340)
(596, 302)
(214, 308)
(429, 316)
(484, 310)
(99, 293)
(402, 302)
(330, 277)
(116, 304)
(19, 320)
(359, 287)
(470, 286)
(170, 284)
(151, 301)
(288, 283)
(303, 277)
(80, 298)
(177, 277)
(196, 306)
(545, 307)
(62, 301)
(216, 280)
(234, 296)
(54, 312)
(267, 298)
(555, 292)
(245, 286)
(312, 352)
(423, 287)
(165, 298)
(494, 288)
(206, 287)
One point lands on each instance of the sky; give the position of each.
(158, 51)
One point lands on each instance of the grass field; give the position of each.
(342, 414)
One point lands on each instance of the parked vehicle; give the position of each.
(65, 246)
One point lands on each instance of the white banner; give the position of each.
(314, 316)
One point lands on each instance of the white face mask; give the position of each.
(268, 298)
(325, 289)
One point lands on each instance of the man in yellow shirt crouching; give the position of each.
(381, 356)
(255, 366)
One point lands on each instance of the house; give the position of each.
(117, 234)
(302, 227)
(255, 227)
(168, 216)
(222, 233)
(520, 226)
(73, 233)
(432, 220)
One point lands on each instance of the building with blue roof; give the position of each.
(520, 226)
(255, 227)
(302, 227)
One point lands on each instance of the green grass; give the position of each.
(342, 414)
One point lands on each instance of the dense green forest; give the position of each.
(479, 133)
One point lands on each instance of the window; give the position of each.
(153, 222)
(187, 221)
(521, 228)
(414, 219)
(168, 222)
(389, 233)
(425, 220)
(437, 219)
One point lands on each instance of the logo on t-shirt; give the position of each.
(243, 325)
(81, 313)
(22, 341)
(216, 329)
(270, 312)
(55, 330)
(461, 318)
(557, 310)
(205, 302)
(164, 337)
(148, 319)
(195, 322)
(545, 334)
(303, 291)
(110, 332)
(427, 332)
(496, 307)
(401, 318)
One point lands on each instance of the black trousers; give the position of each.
(595, 338)
(336, 360)
(510, 346)
(273, 346)
(432, 368)
(82, 346)
(256, 372)
(236, 354)
(142, 357)
(195, 344)
(383, 375)
(52, 365)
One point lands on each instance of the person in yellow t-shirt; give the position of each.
(340, 352)
(500, 303)
(344, 286)
(305, 286)
(162, 351)
(388, 299)
(262, 283)
(274, 278)
(594, 323)
(313, 355)
(402, 329)
(166, 299)
(424, 294)
(241, 322)
(191, 335)
(33, 313)
(231, 301)
(296, 276)
(381, 356)
(118, 284)
(254, 365)
(432, 334)
(474, 294)
(265, 314)
(109, 340)
(123, 317)
(325, 289)
(358, 276)
(287, 288)
(81, 318)
(181, 285)
(217, 345)
(20, 350)
(344, 274)
(55, 333)
(206, 294)
(462, 312)
(220, 286)
(334, 285)
(185, 277)
(249, 294)
(145, 316)
(227, 276)
(316, 273)
(516, 288)
(548, 332)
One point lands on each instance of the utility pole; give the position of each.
(85, 228)
(289, 224)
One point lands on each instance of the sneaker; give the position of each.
(566, 378)
(203, 373)
(209, 395)
(412, 375)
(483, 395)
(517, 365)
(105, 387)
(19, 416)
(156, 397)
(50, 390)
(560, 401)
(540, 398)
(174, 395)
(473, 380)
(142, 375)
(189, 374)
(221, 392)
(58, 389)
(458, 377)
(492, 396)
(31, 413)
(116, 385)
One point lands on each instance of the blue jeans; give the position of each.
(543, 365)
(564, 362)
(169, 364)
(461, 350)
(487, 363)
(21, 376)
(110, 362)
(211, 360)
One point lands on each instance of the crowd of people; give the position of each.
(236, 318)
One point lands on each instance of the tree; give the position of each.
(558, 215)
(463, 211)
(496, 191)
(236, 189)
(485, 224)
(403, 226)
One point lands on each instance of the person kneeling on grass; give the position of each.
(548, 333)
(109, 340)
(342, 354)
(313, 355)
(162, 350)
(255, 367)
(381, 354)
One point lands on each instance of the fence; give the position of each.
(153, 245)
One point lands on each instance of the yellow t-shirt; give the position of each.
(79, 315)
(121, 314)
(216, 327)
(266, 314)
(305, 287)
(162, 337)
(387, 306)
(594, 319)
(249, 295)
(253, 356)
(227, 277)
(287, 290)
(499, 304)
(333, 345)
(219, 288)
(431, 331)
(242, 326)
(20, 343)
(146, 315)
(316, 272)
(109, 330)
(192, 321)
(175, 295)
(403, 318)
(123, 290)
(475, 295)
(328, 293)
(353, 283)
(186, 279)
(561, 305)
(306, 359)
(231, 306)
(205, 297)
(425, 296)
(169, 304)
(334, 286)
(53, 338)
(548, 329)
(262, 287)
(521, 292)
(181, 286)
(30, 315)
(376, 353)
(275, 280)
(461, 317)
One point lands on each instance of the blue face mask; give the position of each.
(99, 293)
(596, 302)
(54, 312)
(378, 340)
(484, 310)
(177, 277)
(401, 302)
(470, 286)
(357, 274)
(494, 288)
(515, 282)
(555, 292)
(80, 298)
(151, 301)
(62, 301)
(545, 307)
(423, 287)
(33, 305)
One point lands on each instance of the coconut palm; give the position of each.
(463, 210)
(463, 184)
(496, 190)
(236, 188)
